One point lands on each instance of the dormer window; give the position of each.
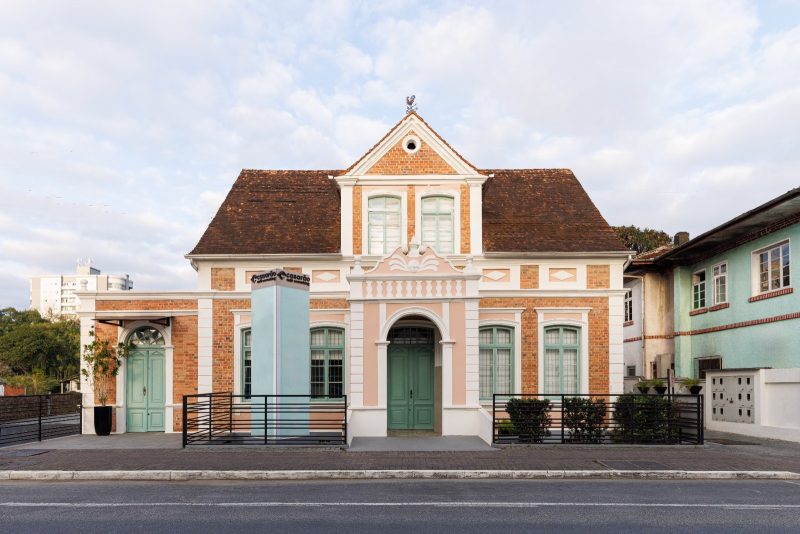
(384, 223)
(438, 223)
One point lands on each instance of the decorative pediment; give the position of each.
(415, 273)
(416, 261)
(412, 148)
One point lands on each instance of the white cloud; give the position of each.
(123, 126)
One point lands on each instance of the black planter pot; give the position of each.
(660, 389)
(643, 390)
(102, 420)
(695, 390)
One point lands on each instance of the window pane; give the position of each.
(485, 373)
(570, 371)
(503, 336)
(503, 380)
(377, 202)
(552, 337)
(317, 337)
(335, 337)
(485, 336)
(552, 371)
(246, 341)
(429, 204)
(392, 204)
(570, 337)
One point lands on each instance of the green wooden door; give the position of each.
(145, 389)
(410, 391)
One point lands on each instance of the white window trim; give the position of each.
(714, 283)
(455, 194)
(583, 324)
(627, 300)
(755, 290)
(403, 195)
(705, 289)
(346, 333)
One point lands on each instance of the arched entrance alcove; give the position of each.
(145, 381)
(413, 375)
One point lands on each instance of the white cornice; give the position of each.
(576, 293)
(263, 257)
(558, 255)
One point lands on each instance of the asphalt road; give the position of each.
(409, 507)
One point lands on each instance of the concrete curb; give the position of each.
(394, 474)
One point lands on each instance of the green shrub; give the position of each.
(646, 419)
(584, 418)
(531, 419)
(506, 428)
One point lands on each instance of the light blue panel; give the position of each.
(766, 345)
(280, 337)
(263, 350)
(263, 339)
(294, 351)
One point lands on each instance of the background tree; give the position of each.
(30, 344)
(642, 239)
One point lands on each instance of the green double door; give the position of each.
(145, 397)
(410, 380)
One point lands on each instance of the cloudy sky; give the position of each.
(123, 124)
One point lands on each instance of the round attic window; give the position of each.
(411, 144)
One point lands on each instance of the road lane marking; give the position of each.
(395, 504)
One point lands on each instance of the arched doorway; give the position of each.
(145, 395)
(412, 380)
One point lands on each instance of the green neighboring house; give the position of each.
(734, 303)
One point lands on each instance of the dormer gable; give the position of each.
(411, 147)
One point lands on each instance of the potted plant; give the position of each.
(693, 385)
(643, 386)
(658, 385)
(102, 362)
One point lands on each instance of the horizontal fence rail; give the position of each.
(37, 417)
(597, 419)
(227, 419)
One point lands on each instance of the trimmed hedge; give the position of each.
(531, 419)
(585, 419)
(646, 419)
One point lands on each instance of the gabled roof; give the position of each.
(276, 212)
(297, 212)
(542, 210)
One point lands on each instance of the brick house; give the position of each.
(508, 280)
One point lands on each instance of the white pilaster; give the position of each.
(447, 372)
(472, 351)
(357, 354)
(346, 218)
(205, 333)
(616, 355)
(476, 217)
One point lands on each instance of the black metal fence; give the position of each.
(597, 419)
(37, 417)
(227, 419)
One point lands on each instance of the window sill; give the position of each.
(720, 306)
(627, 323)
(771, 294)
(698, 311)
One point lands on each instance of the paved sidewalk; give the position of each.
(739, 454)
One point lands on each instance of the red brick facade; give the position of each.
(423, 161)
(529, 276)
(597, 276)
(223, 278)
(598, 336)
(223, 342)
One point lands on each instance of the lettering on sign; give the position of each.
(280, 276)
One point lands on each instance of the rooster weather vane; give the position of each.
(410, 106)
